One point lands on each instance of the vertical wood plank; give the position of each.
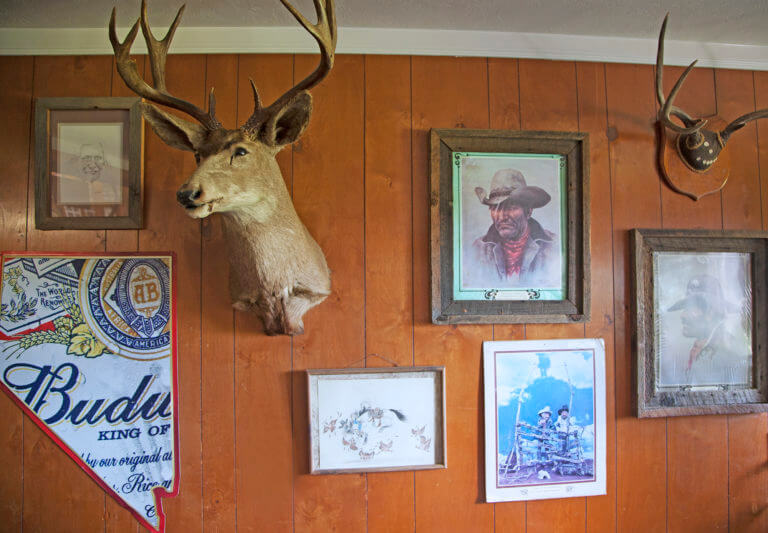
(601, 510)
(741, 195)
(388, 257)
(57, 493)
(737, 94)
(761, 102)
(697, 98)
(68, 76)
(448, 93)
(640, 444)
(549, 101)
(504, 104)
(328, 185)
(125, 240)
(167, 227)
(217, 368)
(16, 107)
(263, 383)
(548, 96)
(504, 94)
(16, 149)
(119, 519)
(700, 440)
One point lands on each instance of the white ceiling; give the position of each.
(610, 30)
(736, 22)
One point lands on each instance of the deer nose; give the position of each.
(187, 197)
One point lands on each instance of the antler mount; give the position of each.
(692, 158)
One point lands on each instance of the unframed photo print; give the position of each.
(544, 419)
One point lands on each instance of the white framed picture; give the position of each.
(544, 419)
(368, 420)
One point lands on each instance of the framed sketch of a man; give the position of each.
(87, 175)
(88, 163)
(699, 313)
(509, 226)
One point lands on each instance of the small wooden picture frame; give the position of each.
(376, 419)
(509, 226)
(88, 163)
(700, 308)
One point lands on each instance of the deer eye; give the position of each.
(240, 151)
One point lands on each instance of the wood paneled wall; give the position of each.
(359, 179)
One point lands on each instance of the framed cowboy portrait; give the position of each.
(509, 226)
(88, 163)
(700, 311)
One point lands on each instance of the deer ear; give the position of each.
(173, 130)
(286, 124)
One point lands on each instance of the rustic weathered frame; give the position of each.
(313, 375)
(44, 218)
(651, 402)
(574, 146)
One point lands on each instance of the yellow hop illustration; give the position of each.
(12, 276)
(63, 323)
(82, 342)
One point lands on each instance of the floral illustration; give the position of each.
(422, 442)
(14, 276)
(372, 431)
(70, 330)
(18, 310)
(82, 342)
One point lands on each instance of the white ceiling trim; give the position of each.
(87, 41)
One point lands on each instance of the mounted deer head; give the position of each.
(276, 268)
(701, 150)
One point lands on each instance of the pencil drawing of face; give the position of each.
(91, 160)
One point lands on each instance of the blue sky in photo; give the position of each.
(543, 379)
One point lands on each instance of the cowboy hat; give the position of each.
(545, 410)
(563, 408)
(509, 184)
(704, 292)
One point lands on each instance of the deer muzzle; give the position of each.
(187, 197)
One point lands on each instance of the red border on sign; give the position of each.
(158, 492)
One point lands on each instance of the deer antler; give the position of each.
(158, 51)
(666, 106)
(697, 147)
(741, 122)
(325, 34)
